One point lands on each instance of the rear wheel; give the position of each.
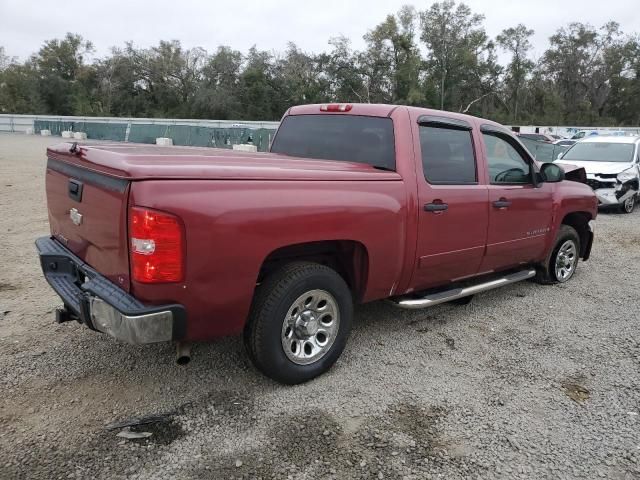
(629, 204)
(561, 264)
(299, 323)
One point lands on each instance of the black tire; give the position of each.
(629, 205)
(546, 273)
(272, 301)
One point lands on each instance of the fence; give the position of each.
(568, 131)
(203, 133)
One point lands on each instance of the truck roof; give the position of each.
(382, 110)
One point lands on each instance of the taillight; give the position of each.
(336, 107)
(156, 246)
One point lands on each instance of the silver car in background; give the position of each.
(612, 164)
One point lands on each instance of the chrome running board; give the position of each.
(455, 293)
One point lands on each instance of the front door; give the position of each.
(520, 212)
(453, 208)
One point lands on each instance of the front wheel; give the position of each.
(561, 264)
(629, 204)
(299, 322)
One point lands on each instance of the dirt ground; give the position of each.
(528, 381)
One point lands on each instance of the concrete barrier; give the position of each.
(164, 142)
(79, 135)
(45, 133)
(66, 134)
(246, 147)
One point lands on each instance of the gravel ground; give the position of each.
(525, 382)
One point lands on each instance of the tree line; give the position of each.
(441, 58)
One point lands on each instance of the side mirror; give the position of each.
(551, 173)
(559, 156)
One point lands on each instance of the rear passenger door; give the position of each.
(520, 211)
(453, 202)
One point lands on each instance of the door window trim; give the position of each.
(444, 122)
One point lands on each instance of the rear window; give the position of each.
(600, 152)
(351, 138)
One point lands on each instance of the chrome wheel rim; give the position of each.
(310, 327)
(629, 203)
(566, 260)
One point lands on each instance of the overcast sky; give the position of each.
(26, 24)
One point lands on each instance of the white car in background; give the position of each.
(565, 142)
(612, 164)
(591, 133)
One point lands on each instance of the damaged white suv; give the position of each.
(612, 165)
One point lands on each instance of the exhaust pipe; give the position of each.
(183, 353)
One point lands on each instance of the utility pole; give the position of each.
(444, 59)
(442, 91)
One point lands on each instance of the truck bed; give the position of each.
(139, 162)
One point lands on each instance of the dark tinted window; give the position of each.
(506, 164)
(447, 155)
(349, 138)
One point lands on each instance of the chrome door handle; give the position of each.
(435, 207)
(502, 203)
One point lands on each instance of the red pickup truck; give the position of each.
(353, 203)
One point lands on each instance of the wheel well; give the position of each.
(634, 184)
(580, 222)
(349, 258)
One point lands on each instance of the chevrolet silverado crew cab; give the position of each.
(612, 165)
(353, 203)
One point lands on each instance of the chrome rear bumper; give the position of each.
(93, 300)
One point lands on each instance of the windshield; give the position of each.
(350, 138)
(600, 152)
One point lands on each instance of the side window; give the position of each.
(506, 165)
(447, 155)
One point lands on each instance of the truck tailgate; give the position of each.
(88, 215)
